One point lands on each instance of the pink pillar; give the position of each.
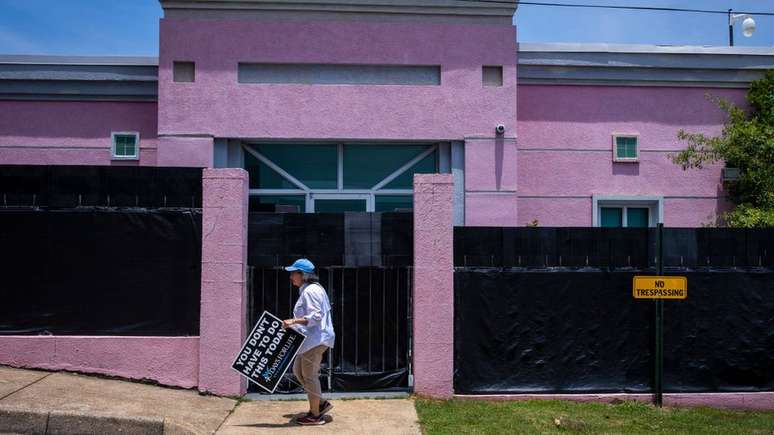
(433, 285)
(224, 260)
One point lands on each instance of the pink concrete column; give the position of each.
(433, 285)
(224, 261)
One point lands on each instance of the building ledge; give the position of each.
(31, 77)
(642, 65)
(345, 10)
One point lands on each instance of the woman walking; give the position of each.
(311, 317)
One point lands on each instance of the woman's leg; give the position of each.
(297, 371)
(310, 370)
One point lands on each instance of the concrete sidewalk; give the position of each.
(34, 401)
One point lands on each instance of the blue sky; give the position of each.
(130, 27)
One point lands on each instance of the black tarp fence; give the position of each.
(364, 262)
(100, 186)
(331, 239)
(550, 310)
(96, 270)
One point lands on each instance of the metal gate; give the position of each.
(371, 296)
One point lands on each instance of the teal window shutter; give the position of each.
(611, 217)
(637, 217)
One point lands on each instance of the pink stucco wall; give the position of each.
(167, 360)
(491, 182)
(565, 151)
(433, 316)
(73, 132)
(224, 262)
(216, 104)
(185, 151)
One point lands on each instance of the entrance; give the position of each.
(364, 261)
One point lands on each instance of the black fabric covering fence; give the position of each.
(577, 329)
(331, 239)
(611, 247)
(99, 186)
(549, 333)
(100, 272)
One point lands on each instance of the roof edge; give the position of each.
(569, 47)
(44, 59)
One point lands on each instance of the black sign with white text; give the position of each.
(268, 352)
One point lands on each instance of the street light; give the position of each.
(748, 25)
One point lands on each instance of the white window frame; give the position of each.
(636, 138)
(136, 135)
(340, 192)
(654, 204)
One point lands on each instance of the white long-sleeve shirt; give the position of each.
(314, 306)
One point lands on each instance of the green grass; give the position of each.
(542, 417)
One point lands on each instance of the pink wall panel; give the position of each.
(694, 212)
(216, 104)
(491, 209)
(167, 360)
(73, 132)
(588, 173)
(565, 149)
(583, 117)
(491, 164)
(555, 212)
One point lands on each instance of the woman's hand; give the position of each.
(287, 323)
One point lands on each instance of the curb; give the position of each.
(25, 421)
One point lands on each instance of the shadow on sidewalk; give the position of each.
(291, 423)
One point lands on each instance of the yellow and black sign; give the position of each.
(660, 287)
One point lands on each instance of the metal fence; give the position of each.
(365, 263)
(371, 309)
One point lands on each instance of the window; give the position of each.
(338, 74)
(492, 75)
(629, 217)
(333, 178)
(126, 146)
(313, 165)
(183, 72)
(627, 212)
(611, 217)
(366, 165)
(625, 148)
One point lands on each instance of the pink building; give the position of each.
(372, 93)
(369, 93)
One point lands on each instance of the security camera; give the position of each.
(500, 129)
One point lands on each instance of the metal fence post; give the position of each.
(659, 329)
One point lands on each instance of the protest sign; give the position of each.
(268, 352)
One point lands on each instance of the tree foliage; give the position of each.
(746, 143)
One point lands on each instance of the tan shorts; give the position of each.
(306, 367)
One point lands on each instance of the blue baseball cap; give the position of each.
(303, 265)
